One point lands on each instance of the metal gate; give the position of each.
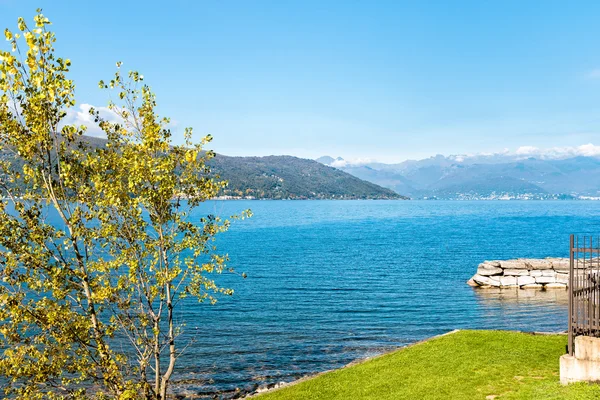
(584, 288)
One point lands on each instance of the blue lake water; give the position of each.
(333, 281)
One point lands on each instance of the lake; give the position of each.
(330, 282)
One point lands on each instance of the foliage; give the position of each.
(463, 365)
(87, 305)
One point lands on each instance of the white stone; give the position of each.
(485, 280)
(584, 366)
(533, 286)
(555, 286)
(545, 279)
(508, 281)
(562, 278)
(536, 272)
(548, 272)
(488, 270)
(533, 263)
(587, 348)
(525, 280)
(515, 272)
(472, 283)
(493, 263)
(559, 263)
(494, 281)
(575, 370)
(513, 264)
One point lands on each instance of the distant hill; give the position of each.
(494, 176)
(287, 177)
(325, 160)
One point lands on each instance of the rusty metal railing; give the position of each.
(584, 288)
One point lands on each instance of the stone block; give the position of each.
(545, 279)
(513, 264)
(573, 369)
(562, 278)
(486, 280)
(555, 286)
(516, 272)
(559, 263)
(536, 272)
(587, 348)
(533, 263)
(508, 281)
(525, 280)
(549, 272)
(488, 270)
(493, 263)
(533, 286)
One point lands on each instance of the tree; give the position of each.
(121, 249)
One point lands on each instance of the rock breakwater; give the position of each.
(524, 273)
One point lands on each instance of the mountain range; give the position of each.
(496, 176)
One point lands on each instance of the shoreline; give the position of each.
(280, 385)
(411, 199)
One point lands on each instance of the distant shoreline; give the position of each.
(407, 199)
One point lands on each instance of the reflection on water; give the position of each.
(518, 307)
(523, 297)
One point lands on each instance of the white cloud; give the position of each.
(351, 163)
(527, 150)
(586, 150)
(81, 116)
(550, 153)
(589, 150)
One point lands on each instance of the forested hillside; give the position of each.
(286, 177)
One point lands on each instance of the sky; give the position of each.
(377, 80)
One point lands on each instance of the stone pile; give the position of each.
(524, 273)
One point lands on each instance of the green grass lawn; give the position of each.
(462, 365)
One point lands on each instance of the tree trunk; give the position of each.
(172, 355)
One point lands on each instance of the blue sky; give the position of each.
(378, 80)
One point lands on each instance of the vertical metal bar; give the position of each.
(571, 272)
(590, 289)
(577, 289)
(587, 289)
(585, 286)
(596, 290)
